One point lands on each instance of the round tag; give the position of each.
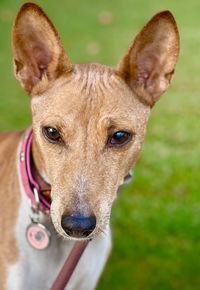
(38, 236)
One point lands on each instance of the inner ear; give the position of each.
(38, 52)
(150, 61)
(33, 61)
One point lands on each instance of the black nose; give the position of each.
(78, 226)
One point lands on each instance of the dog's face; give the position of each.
(100, 127)
(89, 121)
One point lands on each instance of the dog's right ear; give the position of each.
(39, 56)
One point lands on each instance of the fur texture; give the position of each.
(87, 104)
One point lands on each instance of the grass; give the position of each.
(156, 220)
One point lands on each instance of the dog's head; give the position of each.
(89, 121)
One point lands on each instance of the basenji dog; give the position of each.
(88, 127)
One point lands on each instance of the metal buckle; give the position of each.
(37, 199)
(35, 208)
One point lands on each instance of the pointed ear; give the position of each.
(150, 61)
(39, 56)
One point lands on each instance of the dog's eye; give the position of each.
(52, 135)
(119, 138)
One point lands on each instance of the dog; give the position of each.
(88, 127)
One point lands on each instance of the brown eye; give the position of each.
(52, 135)
(119, 138)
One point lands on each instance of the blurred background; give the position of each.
(156, 220)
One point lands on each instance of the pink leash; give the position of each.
(30, 185)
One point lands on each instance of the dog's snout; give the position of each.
(78, 226)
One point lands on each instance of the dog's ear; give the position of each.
(150, 61)
(39, 55)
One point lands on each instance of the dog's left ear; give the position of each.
(39, 56)
(149, 63)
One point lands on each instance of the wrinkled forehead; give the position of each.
(90, 91)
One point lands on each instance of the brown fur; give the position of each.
(9, 201)
(87, 104)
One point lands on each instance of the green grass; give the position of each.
(156, 220)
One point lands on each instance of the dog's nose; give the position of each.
(78, 226)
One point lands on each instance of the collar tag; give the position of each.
(38, 236)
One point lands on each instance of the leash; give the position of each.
(38, 192)
(69, 266)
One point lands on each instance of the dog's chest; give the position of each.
(38, 269)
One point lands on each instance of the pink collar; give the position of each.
(32, 188)
(34, 191)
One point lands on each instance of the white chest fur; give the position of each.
(38, 269)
